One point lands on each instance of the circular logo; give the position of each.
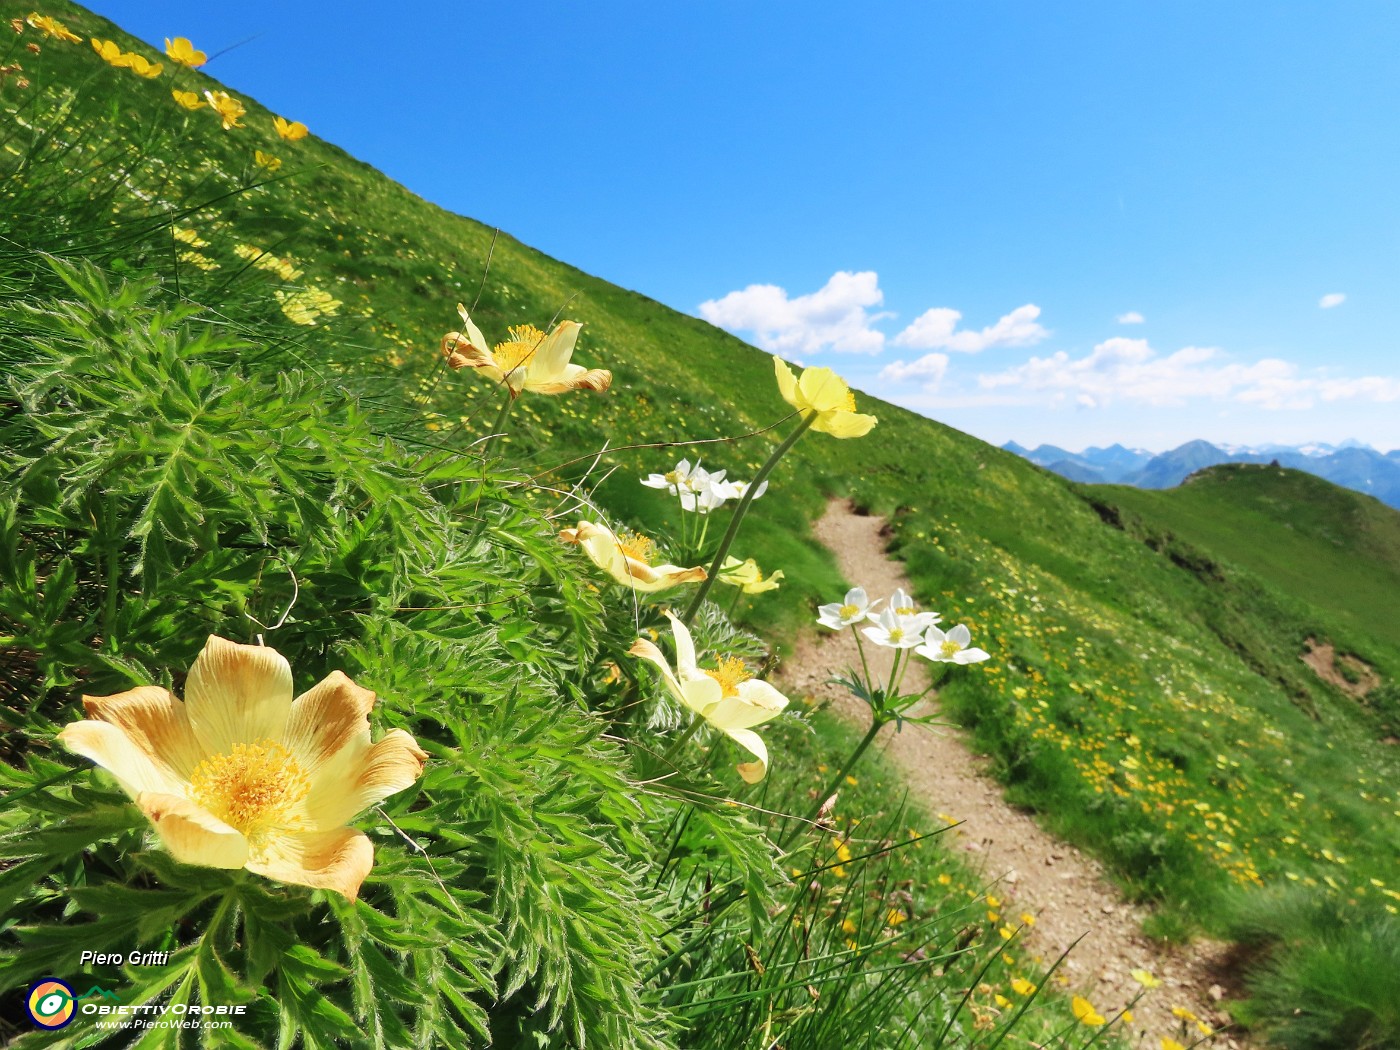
(50, 1003)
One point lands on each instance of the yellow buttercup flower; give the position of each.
(182, 51)
(227, 107)
(188, 99)
(108, 51)
(266, 160)
(1085, 1012)
(820, 392)
(1021, 986)
(140, 66)
(747, 576)
(308, 305)
(528, 360)
(725, 696)
(1144, 978)
(292, 131)
(627, 558)
(241, 775)
(52, 28)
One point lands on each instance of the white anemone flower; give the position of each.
(840, 615)
(892, 631)
(953, 647)
(725, 696)
(675, 481)
(910, 618)
(738, 489)
(707, 495)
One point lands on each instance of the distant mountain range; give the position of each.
(1351, 464)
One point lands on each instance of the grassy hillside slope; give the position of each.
(1144, 694)
(1337, 549)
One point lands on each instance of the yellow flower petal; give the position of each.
(1085, 1012)
(155, 723)
(188, 99)
(182, 51)
(820, 392)
(292, 131)
(114, 751)
(335, 860)
(237, 694)
(192, 834)
(608, 552)
(393, 763)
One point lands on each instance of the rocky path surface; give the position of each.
(1066, 890)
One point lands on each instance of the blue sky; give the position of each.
(837, 182)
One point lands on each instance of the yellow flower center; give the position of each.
(850, 401)
(906, 610)
(672, 476)
(897, 635)
(949, 647)
(635, 545)
(847, 611)
(252, 788)
(729, 673)
(524, 340)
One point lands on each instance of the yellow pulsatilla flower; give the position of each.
(726, 696)
(627, 558)
(820, 392)
(188, 99)
(140, 66)
(747, 576)
(528, 360)
(108, 51)
(292, 131)
(1085, 1012)
(183, 52)
(241, 775)
(52, 28)
(266, 160)
(227, 107)
(1144, 978)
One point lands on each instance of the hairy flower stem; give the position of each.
(675, 748)
(497, 429)
(738, 517)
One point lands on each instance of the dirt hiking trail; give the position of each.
(1066, 890)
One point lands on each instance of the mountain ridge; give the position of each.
(1350, 464)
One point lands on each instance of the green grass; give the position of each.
(1145, 692)
(1336, 549)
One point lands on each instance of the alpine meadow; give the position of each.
(393, 627)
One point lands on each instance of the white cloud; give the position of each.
(1131, 317)
(1332, 299)
(1129, 370)
(929, 369)
(936, 329)
(834, 317)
